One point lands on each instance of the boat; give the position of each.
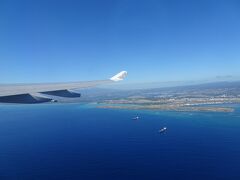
(162, 130)
(136, 118)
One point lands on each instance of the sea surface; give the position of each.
(77, 141)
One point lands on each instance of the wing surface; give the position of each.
(34, 93)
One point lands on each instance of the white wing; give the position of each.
(34, 93)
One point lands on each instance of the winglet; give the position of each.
(120, 76)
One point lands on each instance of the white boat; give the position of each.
(163, 129)
(136, 118)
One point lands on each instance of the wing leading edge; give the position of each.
(35, 93)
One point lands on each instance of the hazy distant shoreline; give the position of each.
(212, 97)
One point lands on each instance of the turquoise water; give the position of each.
(74, 141)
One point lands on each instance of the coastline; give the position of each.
(168, 108)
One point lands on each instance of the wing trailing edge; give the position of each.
(62, 93)
(24, 99)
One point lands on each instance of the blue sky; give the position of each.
(154, 40)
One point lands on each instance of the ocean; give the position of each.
(77, 141)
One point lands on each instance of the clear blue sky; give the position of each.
(154, 40)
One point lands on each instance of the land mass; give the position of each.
(169, 108)
(211, 97)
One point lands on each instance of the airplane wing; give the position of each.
(39, 93)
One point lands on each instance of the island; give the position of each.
(210, 97)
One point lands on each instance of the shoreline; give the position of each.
(169, 108)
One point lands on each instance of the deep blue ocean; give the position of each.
(75, 141)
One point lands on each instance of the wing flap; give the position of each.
(24, 99)
(62, 93)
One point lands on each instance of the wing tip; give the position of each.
(119, 77)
